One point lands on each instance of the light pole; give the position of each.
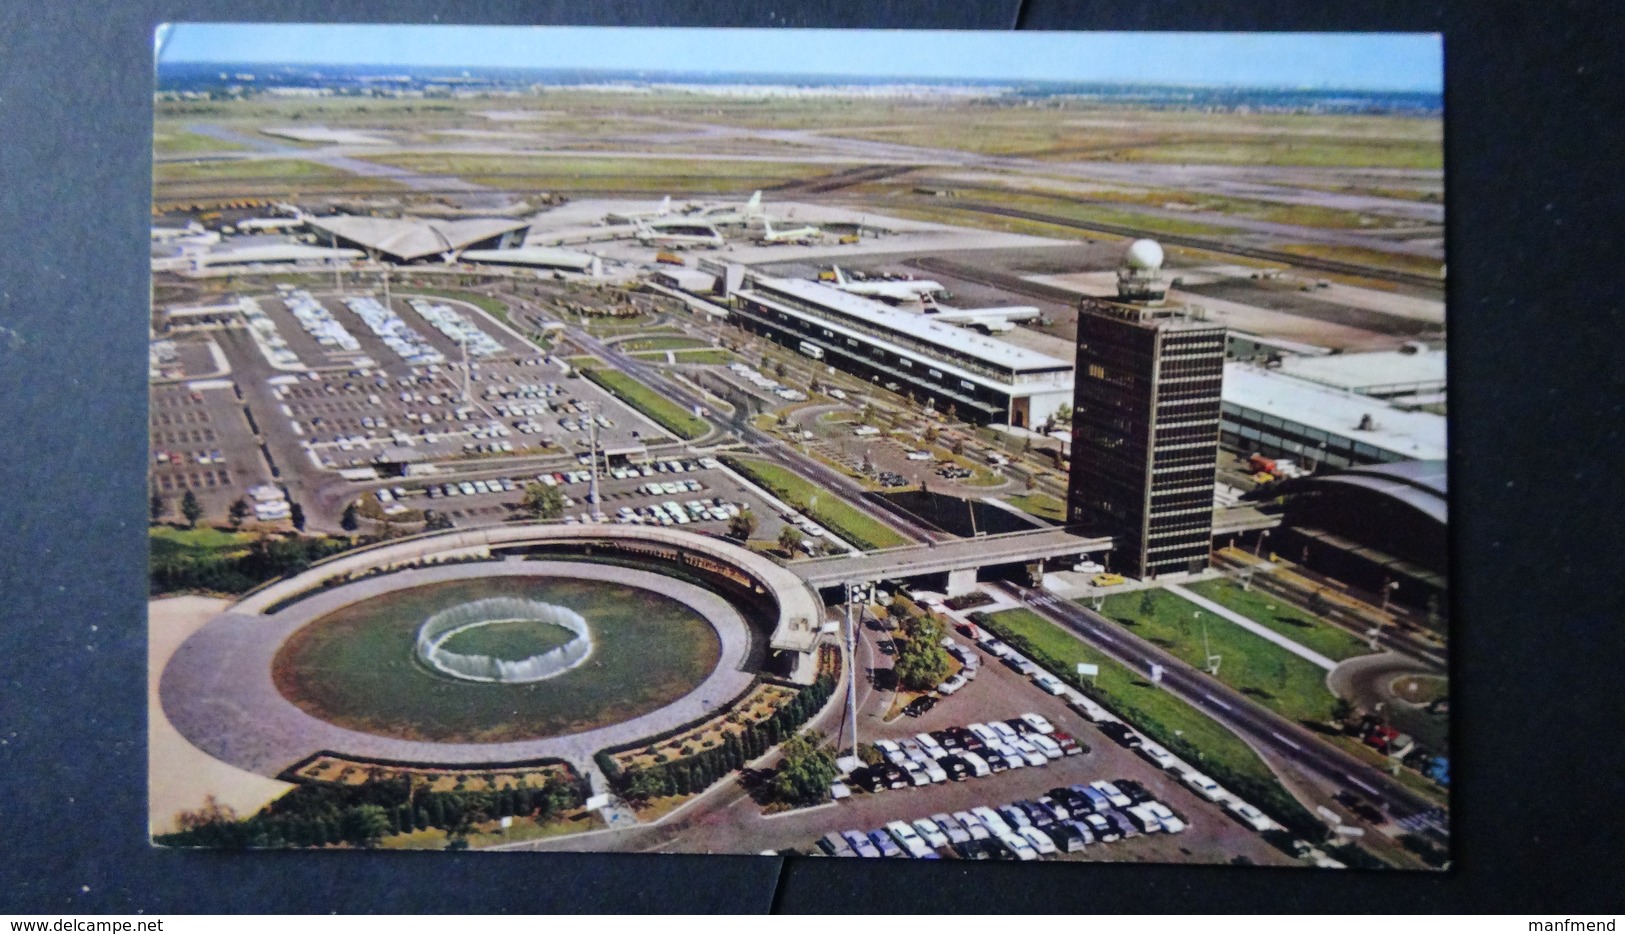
(851, 671)
(1259, 544)
(1388, 587)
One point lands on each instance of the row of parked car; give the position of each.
(1125, 735)
(1063, 820)
(958, 753)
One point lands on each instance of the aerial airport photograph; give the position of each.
(833, 443)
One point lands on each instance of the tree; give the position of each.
(958, 447)
(239, 511)
(191, 509)
(930, 434)
(742, 526)
(543, 502)
(156, 506)
(868, 413)
(922, 662)
(1148, 603)
(789, 539)
(1063, 416)
(348, 521)
(1318, 604)
(364, 825)
(435, 521)
(296, 515)
(806, 772)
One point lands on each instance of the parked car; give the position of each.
(1158, 756)
(1040, 841)
(860, 844)
(885, 844)
(1171, 822)
(1249, 815)
(834, 844)
(931, 833)
(1018, 845)
(1066, 837)
(951, 828)
(1116, 797)
(1069, 745)
(1204, 786)
(973, 825)
(920, 706)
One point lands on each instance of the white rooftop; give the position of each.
(1370, 370)
(1413, 435)
(531, 256)
(262, 252)
(991, 350)
(411, 238)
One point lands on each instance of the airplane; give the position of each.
(801, 235)
(679, 234)
(902, 290)
(730, 213)
(991, 320)
(627, 217)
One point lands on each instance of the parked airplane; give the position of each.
(729, 213)
(801, 235)
(991, 320)
(679, 234)
(629, 217)
(899, 290)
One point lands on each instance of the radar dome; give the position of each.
(1143, 254)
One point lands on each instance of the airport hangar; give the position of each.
(983, 379)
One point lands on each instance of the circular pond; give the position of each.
(364, 667)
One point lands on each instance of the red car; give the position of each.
(1069, 746)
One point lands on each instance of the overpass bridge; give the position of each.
(965, 554)
(1235, 519)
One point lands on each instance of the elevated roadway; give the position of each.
(957, 555)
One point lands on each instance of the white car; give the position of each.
(1005, 731)
(984, 732)
(1115, 796)
(1040, 841)
(838, 790)
(931, 833)
(953, 684)
(930, 746)
(1051, 684)
(973, 825)
(1160, 757)
(1018, 844)
(1170, 821)
(1144, 821)
(908, 839)
(1204, 786)
(1038, 723)
(918, 455)
(1250, 815)
(1049, 747)
(991, 820)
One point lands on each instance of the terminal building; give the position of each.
(1145, 439)
(976, 378)
(1278, 414)
(410, 240)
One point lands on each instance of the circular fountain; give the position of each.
(450, 623)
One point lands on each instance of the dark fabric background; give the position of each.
(1533, 150)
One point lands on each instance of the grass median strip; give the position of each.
(1274, 613)
(1269, 674)
(1167, 720)
(825, 507)
(669, 415)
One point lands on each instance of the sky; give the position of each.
(1353, 61)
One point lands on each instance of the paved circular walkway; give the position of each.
(217, 688)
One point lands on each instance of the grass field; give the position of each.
(1258, 668)
(705, 357)
(1380, 259)
(669, 415)
(1331, 641)
(231, 169)
(1169, 721)
(171, 141)
(1042, 505)
(662, 343)
(166, 541)
(830, 510)
(584, 172)
(357, 668)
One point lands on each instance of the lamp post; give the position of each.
(1259, 544)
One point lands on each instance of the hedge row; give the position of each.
(323, 814)
(699, 771)
(1268, 796)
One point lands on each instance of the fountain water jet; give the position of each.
(440, 627)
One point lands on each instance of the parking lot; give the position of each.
(705, 497)
(1001, 693)
(201, 442)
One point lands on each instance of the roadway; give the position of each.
(1262, 729)
(955, 555)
